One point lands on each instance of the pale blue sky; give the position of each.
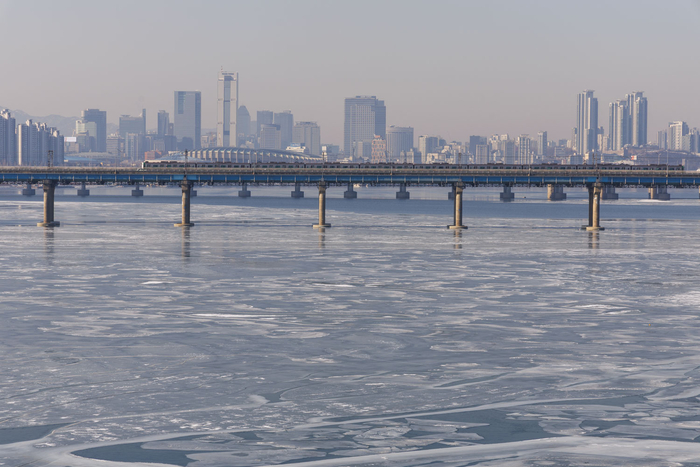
(445, 67)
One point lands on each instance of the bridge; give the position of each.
(599, 181)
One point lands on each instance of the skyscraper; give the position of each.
(524, 152)
(618, 125)
(398, 139)
(365, 116)
(285, 120)
(99, 118)
(270, 137)
(426, 145)
(188, 119)
(637, 108)
(676, 132)
(163, 123)
(136, 125)
(35, 140)
(227, 110)
(265, 117)
(587, 124)
(542, 144)
(8, 139)
(243, 121)
(309, 135)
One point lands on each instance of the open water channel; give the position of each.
(387, 340)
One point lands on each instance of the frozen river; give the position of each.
(388, 340)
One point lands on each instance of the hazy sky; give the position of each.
(445, 67)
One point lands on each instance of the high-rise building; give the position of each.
(378, 150)
(227, 110)
(188, 119)
(524, 152)
(618, 126)
(243, 121)
(542, 144)
(474, 141)
(662, 139)
(99, 118)
(285, 120)
(676, 132)
(587, 124)
(163, 123)
(426, 145)
(507, 150)
(398, 139)
(265, 117)
(365, 116)
(309, 135)
(136, 125)
(637, 108)
(85, 133)
(270, 137)
(36, 141)
(8, 139)
(483, 154)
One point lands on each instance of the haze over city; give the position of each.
(449, 68)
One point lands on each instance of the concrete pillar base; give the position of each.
(457, 227)
(83, 192)
(591, 229)
(659, 192)
(189, 224)
(320, 226)
(28, 192)
(507, 194)
(350, 193)
(403, 195)
(297, 193)
(137, 192)
(48, 224)
(663, 196)
(555, 193)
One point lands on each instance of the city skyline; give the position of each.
(510, 94)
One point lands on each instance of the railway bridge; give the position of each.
(598, 180)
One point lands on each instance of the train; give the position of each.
(402, 166)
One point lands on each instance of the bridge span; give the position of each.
(600, 181)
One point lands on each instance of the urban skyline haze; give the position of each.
(451, 68)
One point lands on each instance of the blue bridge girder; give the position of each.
(66, 175)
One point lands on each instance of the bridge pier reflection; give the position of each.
(321, 207)
(186, 196)
(595, 192)
(458, 190)
(49, 195)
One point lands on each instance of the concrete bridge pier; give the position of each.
(244, 192)
(321, 207)
(82, 191)
(609, 192)
(458, 190)
(350, 193)
(595, 192)
(297, 193)
(186, 196)
(28, 191)
(507, 194)
(137, 192)
(659, 192)
(49, 195)
(402, 193)
(555, 192)
(451, 194)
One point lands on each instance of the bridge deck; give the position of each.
(312, 176)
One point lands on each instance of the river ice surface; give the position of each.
(387, 340)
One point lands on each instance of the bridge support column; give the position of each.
(609, 192)
(458, 190)
(402, 193)
(594, 194)
(49, 195)
(244, 192)
(507, 194)
(82, 191)
(350, 193)
(28, 191)
(186, 196)
(321, 207)
(451, 194)
(297, 193)
(137, 192)
(659, 192)
(555, 192)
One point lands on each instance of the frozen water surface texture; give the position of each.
(252, 339)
